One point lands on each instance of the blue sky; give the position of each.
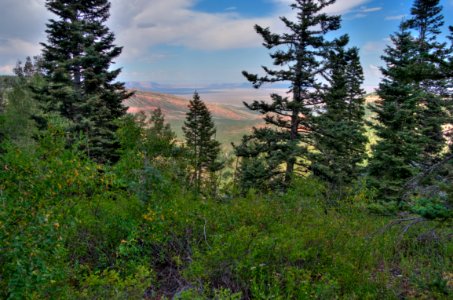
(199, 42)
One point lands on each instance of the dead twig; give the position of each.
(408, 226)
(205, 235)
(412, 221)
(414, 181)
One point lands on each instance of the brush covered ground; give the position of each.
(73, 229)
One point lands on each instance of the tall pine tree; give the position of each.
(414, 102)
(200, 131)
(339, 129)
(300, 58)
(426, 22)
(76, 63)
(448, 74)
(397, 154)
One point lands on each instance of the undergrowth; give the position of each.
(72, 229)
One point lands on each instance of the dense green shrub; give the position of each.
(290, 246)
(71, 228)
(59, 210)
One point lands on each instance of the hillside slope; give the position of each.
(232, 122)
(175, 107)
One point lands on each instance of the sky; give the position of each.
(202, 42)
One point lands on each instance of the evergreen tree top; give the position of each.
(426, 17)
(427, 21)
(399, 57)
(75, 9)
(301, 50)
(77, 60)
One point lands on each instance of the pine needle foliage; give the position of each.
(300, 58)
(199, 131)
(339, 130)
(414, 104)
(77, 60)
(400, 140)
(426, 24)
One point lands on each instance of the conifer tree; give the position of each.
(427, 20)
(76, 63)
(448, 70)
(262, 154)
(339, 130)
(400, 141)
(199, 131)
(414, 102)
(160, 136)
(300, 58)
(448, 74)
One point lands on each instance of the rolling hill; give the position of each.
(232, 121)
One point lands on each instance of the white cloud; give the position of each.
(397, 17)
(23, 18)
(22, 26)
(375, 70)
(361, 12)
(18, 47)
(373, 77)
(370, 9)
(142, 24)
(6, 69)
(339, 7)
(357, 16)
(375, 46)
(344, 6)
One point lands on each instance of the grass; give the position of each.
(228, 131)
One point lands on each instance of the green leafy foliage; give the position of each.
(109, 284)
(150, 158)
(72, 228)
(6, 82)
(17, 123)
(53, 204)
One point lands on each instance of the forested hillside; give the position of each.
(99, 200)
